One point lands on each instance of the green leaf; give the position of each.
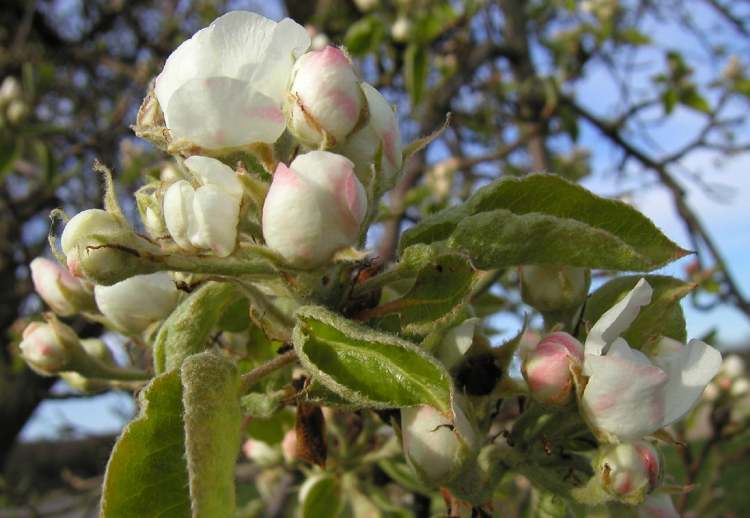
(691, 98)
(369, 368)
(320, 495)
(147, 471)
(544, 219)
(416, 67)
(187, 330)
(210, 397)
(662, 317)
(271, 430)
(441, 287)
(364, 36)
(177, 457)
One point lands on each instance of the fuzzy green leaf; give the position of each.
(442, 285)
(210, 397)
(662, 317)
(147, 472)
(367, 367)
(187, 330)
(544, 219)
(320, 495)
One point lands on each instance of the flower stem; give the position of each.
(251, 378)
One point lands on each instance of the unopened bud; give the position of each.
(401, 29)
(554, 288)
(42, 349)
(17, 111)
(100, 247)
(437, 448)
(629, 471)
(10, 90)
(135, 303)
(366, 5)
(320, 41)
(546, 368)
(47, 347)
(377, 144)
(325, 101)
(289, 446)
(206, 217)
(261, 453)
(62, 292)
(313, 208)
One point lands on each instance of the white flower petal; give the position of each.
(217, 215)
(618, 318)
(689, 369)
(232, 46)
(220, 112)
(136, 302)
(289, 41)
(214, 172)
(178, 212)
(625, 393)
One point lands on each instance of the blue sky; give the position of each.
(728, 218)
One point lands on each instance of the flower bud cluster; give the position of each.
(268, 74)
(13, 107)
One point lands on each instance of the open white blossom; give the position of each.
(630, 395)
(225, 86)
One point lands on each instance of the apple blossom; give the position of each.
(547, 368)
(205, 217)
(134, 303)
(325, 101)
(225, 86)
(63, 292)
(629, 395)
(629, 471)
(435, 447)
(554, 288)
(377, 141)
(313, 208)
(44, 349)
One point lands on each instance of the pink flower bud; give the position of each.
(629, 471)
(377, 144)
(43, 349)
(325, 100)
(547, 368)
(131, 305)
(313, 208)
(65, 294)
(289, 446)
(261, 453)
